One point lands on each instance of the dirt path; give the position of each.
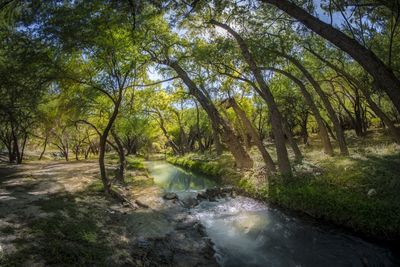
(54, 214)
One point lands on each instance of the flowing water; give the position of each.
(247, 232)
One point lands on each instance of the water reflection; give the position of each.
(247, 232)
(174, 179)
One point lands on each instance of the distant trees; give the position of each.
(25, 74)
(80, 78)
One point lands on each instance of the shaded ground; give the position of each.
(54, 214)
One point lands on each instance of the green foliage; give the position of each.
(371, 216)
(135, 163)
(339, 194)
(207, 168)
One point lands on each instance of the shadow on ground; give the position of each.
(55, 214)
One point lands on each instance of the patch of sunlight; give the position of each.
(90, 237)
(247, 222)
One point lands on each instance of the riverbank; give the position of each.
(55, 213)
(359, 192)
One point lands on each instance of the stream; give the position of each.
(247, 232)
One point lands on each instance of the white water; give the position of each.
(247, 232)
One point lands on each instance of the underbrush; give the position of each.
(210, 165)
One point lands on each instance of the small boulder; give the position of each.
(202, 195)
(170, 196)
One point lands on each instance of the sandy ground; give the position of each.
(161, 235)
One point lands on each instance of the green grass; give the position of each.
(135, 163)
(334, 189)
(209, 165)
(339, 193)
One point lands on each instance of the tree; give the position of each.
(382, 74)
(275, 116)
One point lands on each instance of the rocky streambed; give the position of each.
(232, 230)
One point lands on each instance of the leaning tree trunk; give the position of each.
(102, 147)
(383, 75)
(44, 146)
(269, 163)
(288, 132)
(395, 133)
(171, 142)
(331, 112)
(242, 158)
(275, 116)
(217, 141)
(122, 160)
(323, 132)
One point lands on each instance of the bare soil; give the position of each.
(53, 213)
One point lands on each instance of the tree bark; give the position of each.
(217, 141)
(103, 141)
(21, 156)
(395, 132)
(323, 132)
(44, 146)
(242, 158)
(275, 116)
(382, 74)
(292, 142)
(269, 163)
(171, 142)
(121, 154)
(328, 106)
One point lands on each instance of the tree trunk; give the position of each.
(217, 141)
(269, 163)
(44, 146)
(15, 145)
(296, 150)
(323, 132)
(328, 106)
(395, 133)
(171, 142)
(275, 116)
(382, 74)
(304, 132)
(103, 142)
(21, 155)
(103, 173)
(76, 152)
(242, 158)
(66, 152)
(122, 160)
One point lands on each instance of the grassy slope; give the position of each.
(334, 189)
